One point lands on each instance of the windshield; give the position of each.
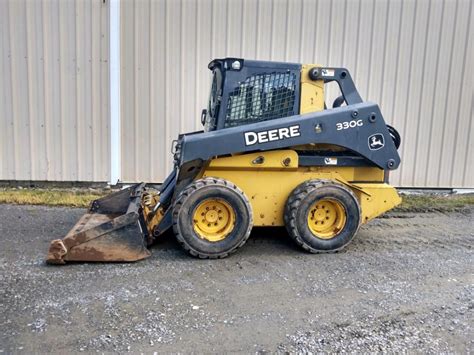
(214, 100)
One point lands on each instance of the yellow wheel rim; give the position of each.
(213, 219)
(326, 218)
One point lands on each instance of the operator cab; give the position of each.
(250, 91)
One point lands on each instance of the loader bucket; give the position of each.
(113, 229)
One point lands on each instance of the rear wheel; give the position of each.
(212, 218)
(322, 216)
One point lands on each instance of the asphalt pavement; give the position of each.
(404, 284)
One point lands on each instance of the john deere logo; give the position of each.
(252, 138)
(376, 141)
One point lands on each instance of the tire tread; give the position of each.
(196, 185)
(294, 201)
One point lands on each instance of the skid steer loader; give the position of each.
(270, 154)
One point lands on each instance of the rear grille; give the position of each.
(261, 97)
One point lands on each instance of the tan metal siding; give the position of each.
(54, 90)
(411, 57)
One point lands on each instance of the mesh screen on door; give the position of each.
(261, 97)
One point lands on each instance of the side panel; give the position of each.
(312, 91)
(375, 199)
(268, 184)
(351, 127)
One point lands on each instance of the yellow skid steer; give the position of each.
(271, 153)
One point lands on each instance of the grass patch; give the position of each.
(83, 197)
(435, 203)
(50, 197)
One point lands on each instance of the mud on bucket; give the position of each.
(113, 229)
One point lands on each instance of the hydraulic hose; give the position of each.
(397, 140)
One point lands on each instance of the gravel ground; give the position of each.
(405, 283)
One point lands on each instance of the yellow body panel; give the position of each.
(312, 91)
(268, 185)
(375, 199)
(270, 160)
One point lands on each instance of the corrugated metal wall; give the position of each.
(412, 57)
(54, 90)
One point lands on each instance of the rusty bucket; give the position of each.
(113, 229)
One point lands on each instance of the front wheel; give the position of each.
(322, 216)
(212, 218)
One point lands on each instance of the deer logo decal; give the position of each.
(376, 141)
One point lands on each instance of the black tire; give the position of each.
(187, 202)
(298, 207)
